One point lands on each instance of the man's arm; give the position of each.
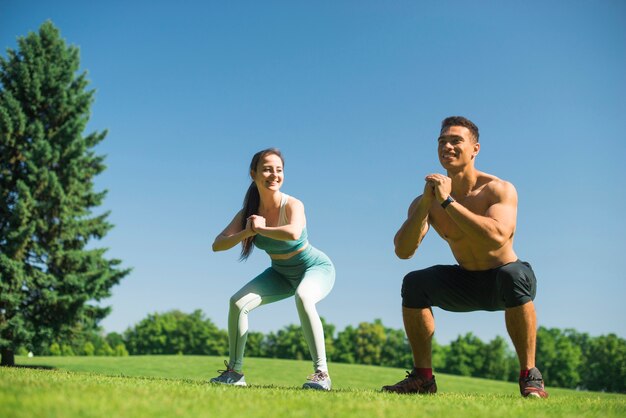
(413, 230)
(497, 225)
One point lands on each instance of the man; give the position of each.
(475, 213)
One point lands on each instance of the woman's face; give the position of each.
(269, 172)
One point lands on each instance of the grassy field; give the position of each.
(176, 386)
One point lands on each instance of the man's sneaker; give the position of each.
(413, 384)
(318, 380)
(229, 377)
(532, 385)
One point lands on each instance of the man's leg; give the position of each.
(521, 323)
(419, 325)
(434, 286)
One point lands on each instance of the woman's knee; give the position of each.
(238, 302)
(313, 288)
(234, 303)
(303, 298)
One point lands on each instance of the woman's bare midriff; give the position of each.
(288, 255)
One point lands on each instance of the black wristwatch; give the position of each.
(446, 202)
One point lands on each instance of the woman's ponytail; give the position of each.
(253, 199)
(250, 207)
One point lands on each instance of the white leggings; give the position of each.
(309, 276)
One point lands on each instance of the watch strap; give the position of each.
(446, 202)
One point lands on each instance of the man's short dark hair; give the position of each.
(460, 121)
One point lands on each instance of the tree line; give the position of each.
(566, 358)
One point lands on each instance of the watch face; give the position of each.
(446, 202)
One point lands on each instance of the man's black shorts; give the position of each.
(455, 289)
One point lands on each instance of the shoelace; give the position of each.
(533, 379)
(409, 375)
(228, 369)
(317, 376)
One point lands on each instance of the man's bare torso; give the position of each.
(472, 254)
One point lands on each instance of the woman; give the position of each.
(275, 222)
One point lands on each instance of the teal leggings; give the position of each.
(309, 276)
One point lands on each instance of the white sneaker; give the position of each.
(318, 381)
(229, 377)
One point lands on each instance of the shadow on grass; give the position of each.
(294, 388)
(32, 366)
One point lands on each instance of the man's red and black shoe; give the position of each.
(413, 384)
(532, 385)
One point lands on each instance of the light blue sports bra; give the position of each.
(275, 246)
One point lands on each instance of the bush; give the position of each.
(89, 349)
(67, 350)
(54, 349)
(176, 332)
(105, 350)
(120, 350)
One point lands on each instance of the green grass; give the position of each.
(176, 386)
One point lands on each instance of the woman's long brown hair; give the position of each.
(253, 199)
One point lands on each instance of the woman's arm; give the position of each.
(233, 234)
(290, 232)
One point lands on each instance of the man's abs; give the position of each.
(474, 258)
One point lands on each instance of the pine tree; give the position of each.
(49, 272)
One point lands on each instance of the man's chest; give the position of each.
(446, 225)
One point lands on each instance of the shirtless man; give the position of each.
(475, 213)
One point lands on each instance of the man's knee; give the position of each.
(517, 284)
(414, 291)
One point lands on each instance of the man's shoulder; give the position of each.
(496, 186)
(493, 181)
(415, 203)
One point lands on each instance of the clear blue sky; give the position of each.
(353, 92)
